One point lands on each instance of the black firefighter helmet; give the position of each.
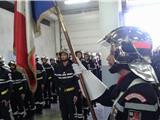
(129, 45)
(12, 62)
(1, 61)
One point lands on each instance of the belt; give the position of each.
(40, 78)
(4, 92)
(21, 88)
(50, 78)
(69, 89)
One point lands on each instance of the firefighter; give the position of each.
(67, 86)
(86, 61)
(54, 94)
(5, 91)
(48, 82)
(18, 92)
(134, 95)
(89, 63)
(79, 104)
(99, 66)
(93, 65)
(41, 78)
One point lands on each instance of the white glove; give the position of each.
(77, 69)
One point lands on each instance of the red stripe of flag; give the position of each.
(25, 60)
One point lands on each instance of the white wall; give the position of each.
(6, 34)
(45, 44)
(84, 30)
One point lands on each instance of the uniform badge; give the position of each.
(134, 115)
(136, 96)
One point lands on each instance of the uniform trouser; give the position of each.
(85, 108)
(67, 106)
(17, 105)
(4, 112)
(39, 98)
(29, 104)
(47, 93)
(79, 113)
(54, 92)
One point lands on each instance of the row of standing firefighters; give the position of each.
(17, 100)
(135, 96)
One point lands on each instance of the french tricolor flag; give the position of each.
(27, 18)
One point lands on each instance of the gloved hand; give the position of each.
(77, 69)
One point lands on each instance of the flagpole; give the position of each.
(60, 17)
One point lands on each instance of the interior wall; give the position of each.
(84, 31)
(45, 44)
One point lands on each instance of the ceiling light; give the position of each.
(75, 1)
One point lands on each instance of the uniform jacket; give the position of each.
(49, 71)
(5, 84)
(19, 82)
(65, 78)
(41, 74)
(137, 102)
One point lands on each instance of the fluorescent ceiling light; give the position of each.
(75, 1)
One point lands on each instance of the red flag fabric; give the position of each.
(24, 42)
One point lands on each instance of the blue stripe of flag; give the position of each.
(39, 7)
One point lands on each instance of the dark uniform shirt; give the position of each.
(5, 84)
(49, 71)
(41, 74)
(19, 82)
(66, 81)
(137, 102)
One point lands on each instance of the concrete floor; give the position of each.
(54, 113)
(50, 114)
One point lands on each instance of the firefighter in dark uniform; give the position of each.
(18, 92)
(48, 82)
(5, 91)
(79, 104)
(86, 61)
(67, 86)
(89, 63)
(41, 78)
(54, 94)
(135, 95)
(93, 65)
(86, 64)
(99, 66)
